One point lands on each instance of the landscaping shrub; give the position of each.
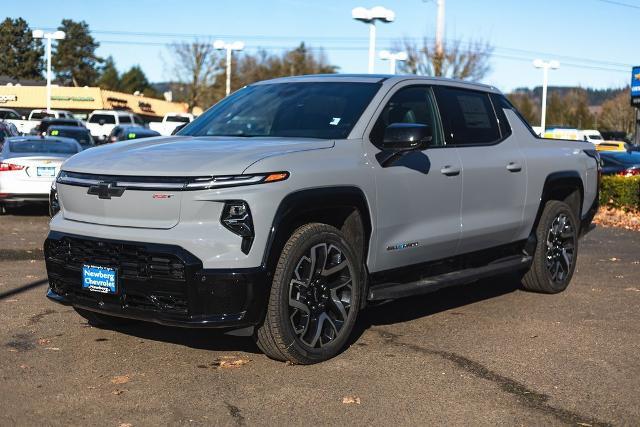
(620, 192)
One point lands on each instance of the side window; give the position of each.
(138, 120)
(124, 119)
(504, 103)
(499, 106)
(467, 116)
(413, 104)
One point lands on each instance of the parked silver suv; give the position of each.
(288, 206)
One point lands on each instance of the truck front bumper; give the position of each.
(163, 284)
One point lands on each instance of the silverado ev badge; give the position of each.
(105, 190)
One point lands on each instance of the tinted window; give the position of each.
(408, 105)
(325, 110)
(467, 116)
(80, 135)
(9, 115)
(138, 120)
(40, 116)
(124, 119)
(106, 118)
(502, 102)
(498, 107)
(39, 147)
(179, 119)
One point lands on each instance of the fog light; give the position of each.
(236, 217)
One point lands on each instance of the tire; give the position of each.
(102, 320)
(311, 314)
(556, 252)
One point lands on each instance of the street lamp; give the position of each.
(58, 35)
(221, 45)
(370, 16)
(392, 57)
(545, 65)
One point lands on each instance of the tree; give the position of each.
(135, 80)
(196, 65)
(526, 107)
(618, 114)
(75, 60)
(570, 109)
(109, 78)
(455, 61)
(20, 54)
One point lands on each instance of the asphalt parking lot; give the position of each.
(486, 353)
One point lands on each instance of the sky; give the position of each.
(594, 40)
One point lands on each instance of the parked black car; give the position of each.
(41, 128)
(81, 134)
(624, 163)
(7, 130)
(124, 133)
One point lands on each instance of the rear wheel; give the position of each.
(315, 297)
(556, 252)
(103, 320)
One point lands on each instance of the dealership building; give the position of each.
(83, 100)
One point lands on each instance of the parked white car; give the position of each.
(26, 125)
(28, 167)
(102, 122)
(592, 136)
(170, 122)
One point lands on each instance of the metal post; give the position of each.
(48, 74)
(228, 70)
(372, 45)
(440, 28)
(543, 114)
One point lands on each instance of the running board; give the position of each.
(387, 291)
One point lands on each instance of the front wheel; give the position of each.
(556, 251)
(315, 297)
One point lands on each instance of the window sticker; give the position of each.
(334, 121)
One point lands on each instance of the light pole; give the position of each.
(221, 45)
(370, 16)
(58, 35)
(392, 57)
(545, 65)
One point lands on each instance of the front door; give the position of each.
(418, 195)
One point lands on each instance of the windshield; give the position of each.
(593, 136)
(40, 147)
(178, 119)
(80, 135)
(9, 115)
(324, 110)
(40, 116)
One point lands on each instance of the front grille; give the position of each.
(132, 261)
(151, 277)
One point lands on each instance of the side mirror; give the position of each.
(403, 137)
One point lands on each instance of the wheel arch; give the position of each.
(344, 207)
(564, 186)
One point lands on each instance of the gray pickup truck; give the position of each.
(290, 205)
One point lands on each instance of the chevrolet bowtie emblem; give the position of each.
(105, 190)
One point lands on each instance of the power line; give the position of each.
(618, 3)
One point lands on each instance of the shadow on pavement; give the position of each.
(37, 209)
(23, 288)
(386, 314)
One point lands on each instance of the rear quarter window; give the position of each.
(124, 119)
(468, 116)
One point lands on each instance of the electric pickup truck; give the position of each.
(287, 207)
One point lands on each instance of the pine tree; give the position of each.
(75, 60)
(20, 54)
(109, 78)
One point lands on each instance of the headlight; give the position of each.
(236, 217)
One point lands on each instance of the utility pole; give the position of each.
(58, 35)
(546, 66)
(440, 29)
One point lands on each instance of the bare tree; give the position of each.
(196, 65)
(618, 114)
(458, 60)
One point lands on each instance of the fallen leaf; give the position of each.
(632, 289)
(125, 425)
(44, 341)
(52, 348)
(349, 400)
(23, 366)
(117, 392)
(120, 379)
(619, 276)
(229, 362)
(613, 259)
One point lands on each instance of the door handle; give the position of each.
(514, 167)
(449, 170)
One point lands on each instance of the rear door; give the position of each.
(493, 167)
(418, 195)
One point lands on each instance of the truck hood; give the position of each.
(186, 155)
